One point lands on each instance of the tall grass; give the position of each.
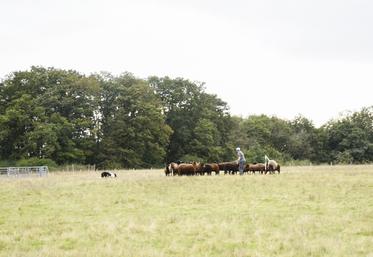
(305, 211)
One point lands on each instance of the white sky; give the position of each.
(281, 58)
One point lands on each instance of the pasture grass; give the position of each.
(305, 211)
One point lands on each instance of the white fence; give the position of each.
(40, 171)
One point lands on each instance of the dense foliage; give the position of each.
(62, 116)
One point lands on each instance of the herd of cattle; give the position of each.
(196, 168)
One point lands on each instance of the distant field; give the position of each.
(304, 211)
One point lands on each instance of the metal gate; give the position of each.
(40, 171)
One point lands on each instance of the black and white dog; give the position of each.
(108, 174)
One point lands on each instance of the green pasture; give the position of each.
(304, 211)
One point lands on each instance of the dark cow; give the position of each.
(228, 167)
(199, 168)
(106, 174)
(256, 167)
(167, 171)
(210, 167)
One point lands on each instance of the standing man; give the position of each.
(241, 160)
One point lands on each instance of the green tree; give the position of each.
(351, 137)
(200, 121)
(306, 141)
(62, 116)
(47, 113)
(267, 135)
(133, 132)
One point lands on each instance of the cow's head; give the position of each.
(198, 166)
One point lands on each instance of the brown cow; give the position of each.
(210, 167)
(256, 167)
(186, 169)
(190, 169)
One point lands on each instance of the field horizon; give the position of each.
(304, 211)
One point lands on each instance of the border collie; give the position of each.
(108, 174)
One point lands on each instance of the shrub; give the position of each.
(37, 162)
(7, 163)
(344, 157)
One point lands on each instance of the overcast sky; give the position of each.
(283, 58)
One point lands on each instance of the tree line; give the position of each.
(57, 117)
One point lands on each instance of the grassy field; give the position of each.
(305, 211)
